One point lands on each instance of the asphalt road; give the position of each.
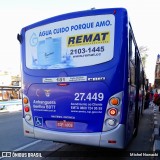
(11, 131)
(12, 139)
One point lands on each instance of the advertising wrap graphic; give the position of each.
(49, 52)
(68, 43)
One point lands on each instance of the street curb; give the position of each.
(3, 111)
(7, 111)
(156, 130)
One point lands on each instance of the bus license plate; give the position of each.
(65, 124)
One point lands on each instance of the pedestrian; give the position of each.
(157, 99)
(151, 96)
(147, 100)
(155, 96)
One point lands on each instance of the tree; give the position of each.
(143, 51)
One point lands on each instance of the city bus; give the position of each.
(82, 78)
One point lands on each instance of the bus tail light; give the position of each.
(113, 112)
(26, 131)
(111, 122)
(63, 84)
(27, 110)
(112, 141)
(25, 100)
(28, 117)
(114, 12)
(114, 101)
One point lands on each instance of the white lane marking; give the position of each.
(23, 147)
(26, 146)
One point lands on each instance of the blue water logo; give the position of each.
(34, 40)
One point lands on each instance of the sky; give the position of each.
(16, 14)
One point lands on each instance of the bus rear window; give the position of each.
(77, 42)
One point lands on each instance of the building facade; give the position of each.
(157, 73)
(10, 86)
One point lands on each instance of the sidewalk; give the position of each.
(156, 129)
(10, 106)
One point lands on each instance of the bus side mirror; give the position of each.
(19, 38)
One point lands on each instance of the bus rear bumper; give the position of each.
(114, 138)
(110, 139)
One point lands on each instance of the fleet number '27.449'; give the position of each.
(89, 96)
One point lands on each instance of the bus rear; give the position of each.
(74, 78)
